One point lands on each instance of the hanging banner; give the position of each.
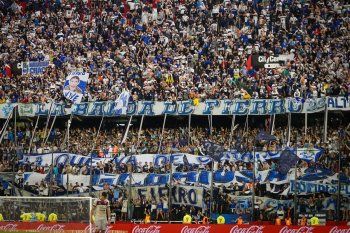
(181, 195)
(156, 159)
(61, 158)
(75, 86)
(304, 187)
(5, 110)
(75, 91)
(162, 159)
(34, 67)
(307, 154)
(270, 62)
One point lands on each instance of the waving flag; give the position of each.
(213, 150)
(121, 103)
(263, 136)
(287, 160)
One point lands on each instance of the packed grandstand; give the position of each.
(236, 109)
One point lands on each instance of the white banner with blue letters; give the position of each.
(208, 107)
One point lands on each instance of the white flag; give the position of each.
(122, 102)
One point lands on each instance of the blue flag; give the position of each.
(287, 160)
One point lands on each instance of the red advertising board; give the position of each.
(168, 228)
(181, 228)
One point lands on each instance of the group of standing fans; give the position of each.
(175, 49)
(172, 50)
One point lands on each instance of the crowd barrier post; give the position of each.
(48, 117)
(211, 190)
(170, 192)
(289, 128)
(253, 187)
(93, 148)
(33, 134)
(305, 127)
(161, 136)
(232, 129)
(325, 121)
(129, 210)
(139, 133)
(15, 119)
(339, 188)
(189, 129)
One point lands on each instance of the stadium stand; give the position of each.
(97, 95)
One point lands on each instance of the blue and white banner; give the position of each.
(75, 90)
(122, 102)
(5, 110)
(306, 154)
(75, 86)
(304, 187)
(162, 159)
(34, 67)
(156, 159)
(181, 195)
(61, 158)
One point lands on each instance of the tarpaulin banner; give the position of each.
(182, 195)
(34, 67)
(74, 90)
(156, 159)
(61, 158)
(303, 187)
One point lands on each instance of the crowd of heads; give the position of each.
(175, 50)
(108, 145)
(167, 51)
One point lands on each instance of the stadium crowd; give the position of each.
(175, 140)
(175, 50)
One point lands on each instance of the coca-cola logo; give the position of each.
(150, 229)
(201, 229)
(251, 229)
(49, 228)
(337, 230)
(93, 228)
(8, 227)
(298, 230)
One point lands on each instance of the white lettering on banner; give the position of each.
(150, 229)
(93, 228)
(336, 230)
(299, 230)
(8, 227)
(201, 229)
(252, 229)
(49, 228)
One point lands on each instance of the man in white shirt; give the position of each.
(101, 213)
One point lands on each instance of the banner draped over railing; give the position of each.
(208, 107)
